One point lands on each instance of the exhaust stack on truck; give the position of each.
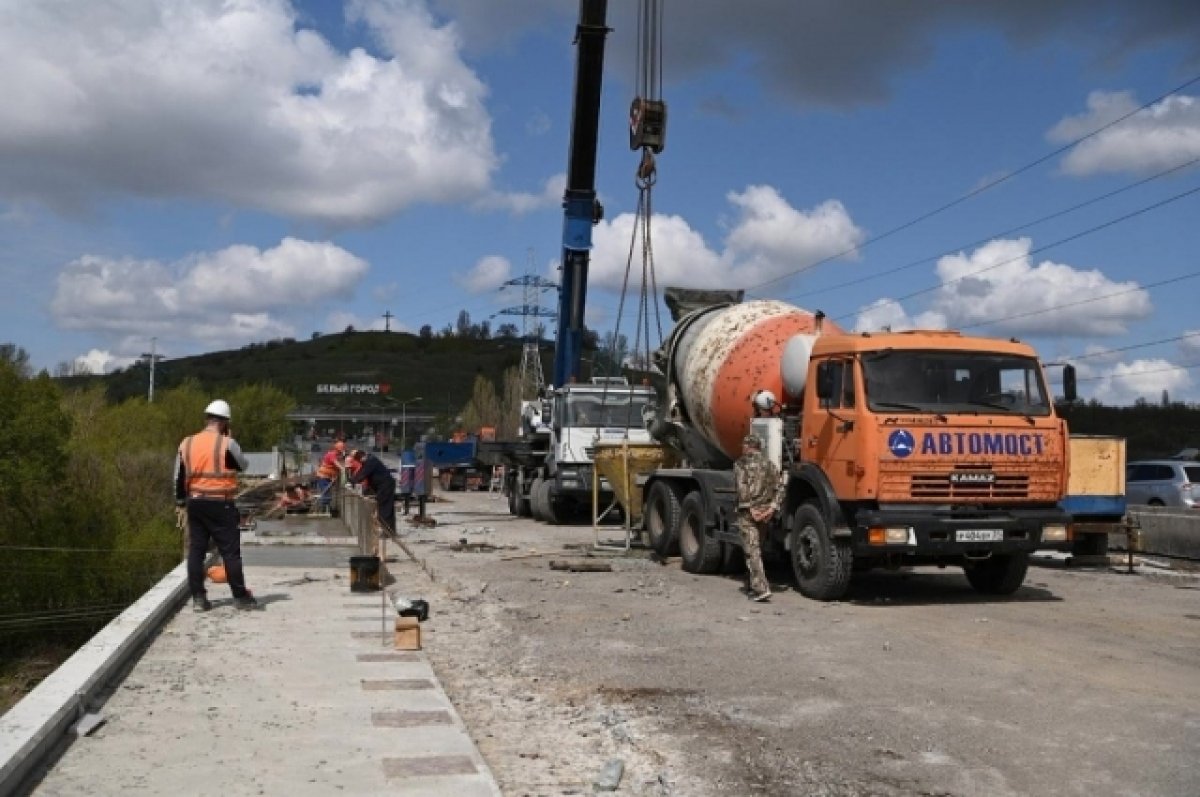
(896, 449)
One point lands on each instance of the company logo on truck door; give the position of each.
(1013, 444)
(901, 443)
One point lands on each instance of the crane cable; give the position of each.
(647, 123)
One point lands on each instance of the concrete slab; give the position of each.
(277, 701)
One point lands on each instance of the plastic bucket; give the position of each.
(364, 573)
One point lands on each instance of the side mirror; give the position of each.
(1070, 392)
(825, 381)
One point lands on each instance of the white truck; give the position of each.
(548, 470)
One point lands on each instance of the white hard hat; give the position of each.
(219, 408)
(765, 400)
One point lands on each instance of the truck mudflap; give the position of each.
(937, 534)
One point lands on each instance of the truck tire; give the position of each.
(733, 558)
(998, 574)
(661, 515)
(821, 563)
(518, 506)
(700, 552)
(535, 499)
(556, 514)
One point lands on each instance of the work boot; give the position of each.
(762, 597)
(200, 603)
(246, 602)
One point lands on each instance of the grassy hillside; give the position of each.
(441, 370)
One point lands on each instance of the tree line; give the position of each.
(86, 513)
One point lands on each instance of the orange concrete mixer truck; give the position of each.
(895, 449)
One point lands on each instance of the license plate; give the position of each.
(979, 535)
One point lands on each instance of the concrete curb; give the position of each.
(34, 726)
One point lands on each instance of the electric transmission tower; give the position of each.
(532, 286)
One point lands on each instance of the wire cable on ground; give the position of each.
(987, 186)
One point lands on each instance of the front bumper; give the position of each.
(944, 534)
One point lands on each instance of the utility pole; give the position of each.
(153, 357)
(387, 321)
(404, 420)
(532, 379)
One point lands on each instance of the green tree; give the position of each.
(260, 416)
(484, 407)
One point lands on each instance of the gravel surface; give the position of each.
(1084, 682)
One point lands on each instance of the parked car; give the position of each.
(1163, 482)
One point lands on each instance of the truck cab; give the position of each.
(561, 430)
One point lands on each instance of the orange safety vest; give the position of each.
(203, 457)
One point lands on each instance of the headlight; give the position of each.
(889, 535)
(1055, 532)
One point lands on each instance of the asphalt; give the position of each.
(305, 696)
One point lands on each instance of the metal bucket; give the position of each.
(626, 465)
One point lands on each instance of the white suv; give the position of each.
(1163, 482)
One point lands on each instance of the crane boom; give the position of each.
(581, 210)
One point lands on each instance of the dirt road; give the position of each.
(1082, 683)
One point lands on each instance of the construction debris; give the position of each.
(581, 565)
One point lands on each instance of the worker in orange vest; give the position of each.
(206, 471)
(327, 473)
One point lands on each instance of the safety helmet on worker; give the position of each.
(219, 409)
(752, 441)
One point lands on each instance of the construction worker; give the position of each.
(374, 474)
(327, 473)
(206, 470)
(757, 483)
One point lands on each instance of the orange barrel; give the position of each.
(721, 356)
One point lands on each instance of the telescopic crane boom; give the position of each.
(582, 210)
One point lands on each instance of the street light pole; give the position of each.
(404, 421)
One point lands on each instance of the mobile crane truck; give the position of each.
(894, 449)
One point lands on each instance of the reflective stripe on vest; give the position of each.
(203, 457)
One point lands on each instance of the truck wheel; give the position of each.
(822, 564)
(662, 518)
(556, 514)
(535, 499)
(524, 509)
(998, 574)
(733, 558)
(700, 552)
(1090, 545)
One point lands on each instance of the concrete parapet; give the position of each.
(1165, 531)
(33, 727)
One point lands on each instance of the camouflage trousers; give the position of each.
(753, 550)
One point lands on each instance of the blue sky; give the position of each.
(216, 173)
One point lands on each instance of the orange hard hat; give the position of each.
(217, 574)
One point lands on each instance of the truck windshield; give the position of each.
(611, 410)
(953, 381)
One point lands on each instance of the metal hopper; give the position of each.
(625, 466)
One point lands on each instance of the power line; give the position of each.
(987, 186)
(1139, 373)
(1078, 302)
(1132, 346)
(1002, 234)
(1038, 250)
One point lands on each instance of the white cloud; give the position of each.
(768, 239)
(1123, 383)
(338, 320)
(889, 314)
(999, 285)
(235, 102)
(232, 296)
(519, 202)
(100, 361)
(1164, 135)
(1190, 345)
(486, 275)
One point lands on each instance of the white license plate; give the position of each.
(979, 535)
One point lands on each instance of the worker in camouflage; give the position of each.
(757, 483)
